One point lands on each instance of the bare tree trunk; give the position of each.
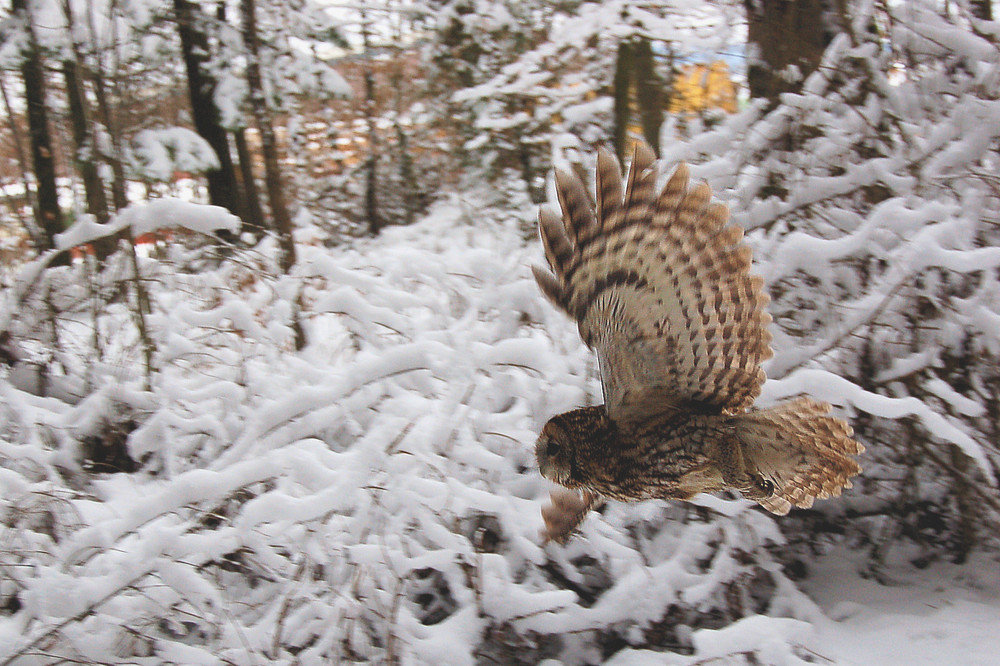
(255, 213)
(248, 197)
(262, 118)
(97, 202)
(84, 153)
(272, 172)
(142, 309)
(982, 9)
(47, 213)
(407, 176)
(783, 37)
(649, 93)
(28, 223)
(371, 183)
(622, 97)
(635, 68)
(222, 188)
(119, 195)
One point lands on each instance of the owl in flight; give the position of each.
(659, 285)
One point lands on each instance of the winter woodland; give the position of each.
(272, 362)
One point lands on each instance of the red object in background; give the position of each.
(149, 238)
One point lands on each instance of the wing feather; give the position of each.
(609, 189)
(558, 251)
(640, 190)
(578, 217)
(660, 286)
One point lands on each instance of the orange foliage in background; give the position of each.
(703, 86)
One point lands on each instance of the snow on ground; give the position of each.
(944, 614)
(939, 616)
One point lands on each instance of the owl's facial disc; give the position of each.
(553, 457)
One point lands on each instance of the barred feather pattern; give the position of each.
(658, 281)
(660, 286)
(800, 449)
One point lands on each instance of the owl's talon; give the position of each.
(766, 486)
(564, 513)
(759, 488)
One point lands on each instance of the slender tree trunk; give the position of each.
(407, 176)
(247, 198)
(222, 188)
(258, 105)
(47, 213)
(371, 181)
(635, 68)
(119, 194)
(255, 212)
(84, 152)
(37, 238)
(97, 202)
(622, 85)
(140, 311)
(783, 37)
(85, 158)
(649, 93)
(272, 172)
(982, 9)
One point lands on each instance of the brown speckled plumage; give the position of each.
(659, 284)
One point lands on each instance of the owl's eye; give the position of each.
(552, 449)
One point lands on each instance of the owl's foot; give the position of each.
(736, 474)
(564, 513)
(759, 488)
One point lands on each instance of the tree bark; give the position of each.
(248, 198)
(84, 153)
(407, 177)
(784, 35)
(119, 195)
(29, 224)
(222, 187)
(371, 186)
(47, 213)
(649, 93)
(258, 107)
(635, 69)
(982, 9)
(255, 213)
(622, 84)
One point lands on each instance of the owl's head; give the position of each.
(555, 455)
(573, 445)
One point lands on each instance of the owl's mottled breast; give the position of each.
(646, 462)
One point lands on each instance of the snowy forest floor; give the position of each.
(939, 615)
(944, 614)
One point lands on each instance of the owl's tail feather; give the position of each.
(802, 450)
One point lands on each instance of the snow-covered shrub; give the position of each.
(872, 200)
(373, 497)
(553, 103)
(160, 154)
(411, 170)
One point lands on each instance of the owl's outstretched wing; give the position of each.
(659, 284)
